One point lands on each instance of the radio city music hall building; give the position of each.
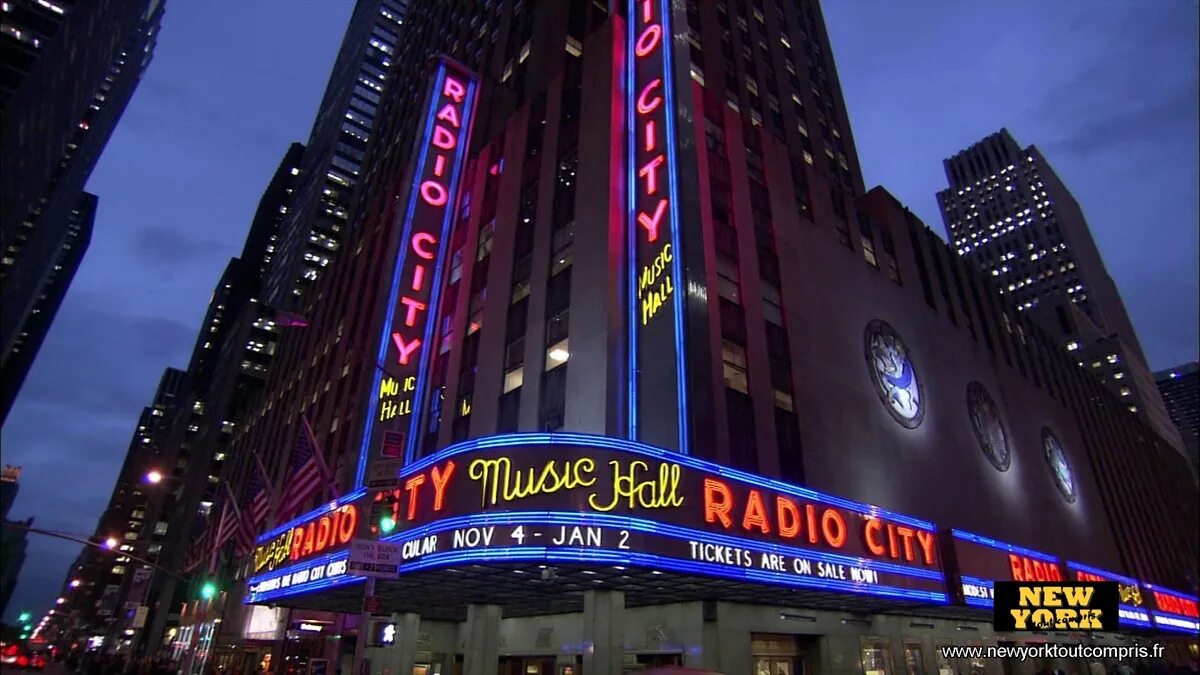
(667, 385)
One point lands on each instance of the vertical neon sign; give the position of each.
(657, 373)
(405, 349)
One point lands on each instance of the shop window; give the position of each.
(913, 659)
(876, 658)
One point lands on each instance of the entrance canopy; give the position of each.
(529, 521)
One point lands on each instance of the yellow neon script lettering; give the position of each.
(390, 409)
(651, 493)
(654, 284)
(272, 553)
(501, 484)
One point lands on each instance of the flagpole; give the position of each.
(319, 455)
(272, 496)
(237, 511)
(212, 560)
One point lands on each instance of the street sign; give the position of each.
(370, 558)
(384, 474)
(372, 604)
(139, 616)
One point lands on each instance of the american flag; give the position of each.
(260, 494)
(256, 505)
(308, 472)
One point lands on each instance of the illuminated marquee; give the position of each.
(655, 263)
(1132, 610)
(404, 344)
(589, 499)
(1172, 610)
(319, 534)
(983, 561)
(649, 507)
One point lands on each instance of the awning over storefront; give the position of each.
(528, 521)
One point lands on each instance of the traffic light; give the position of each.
(385, 512)
(208, 591)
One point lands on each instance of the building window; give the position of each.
(557, 354)
(868, 250)
(743, 445)
(514, 378)
(733, 357)
(510, 406)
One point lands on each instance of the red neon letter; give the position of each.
(310, 536)
(418, 277)
(414, 306)
(646, 15)
(650, 136)
(297, 543)
(906, 536)
(833, 526)
(756, 514)
(449, 114)
(406, 349)
(419, 242)
(454, 89)
(648, 40)
(1014, 563)
(349, 523)
(925, 539)
(443, 139)
(439, 166)
(440, 480)
(651, 224)
(649, 171)
(788, 515)
(323, 531)
(412, 485)
(871, 536)
(714, 509)
(433, 193)
(646, 106)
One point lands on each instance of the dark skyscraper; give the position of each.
(58, 279)
(316, 217)
(13, 540)
(1008, 212)
(1180, 388)
(68, 71)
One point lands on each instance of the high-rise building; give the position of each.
(316, 217)
(1180, 389)
(654, 380)
(12, 539)
(58, 279)
(68, 71)
(230, 362)
(104, 572)
(1009, 213)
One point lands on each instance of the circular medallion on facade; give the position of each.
(1060, 470)
(894, 375)
(989, 430)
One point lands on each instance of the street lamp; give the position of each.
(111, 542)
(75, 583)
(60, 601)
(154, 476)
